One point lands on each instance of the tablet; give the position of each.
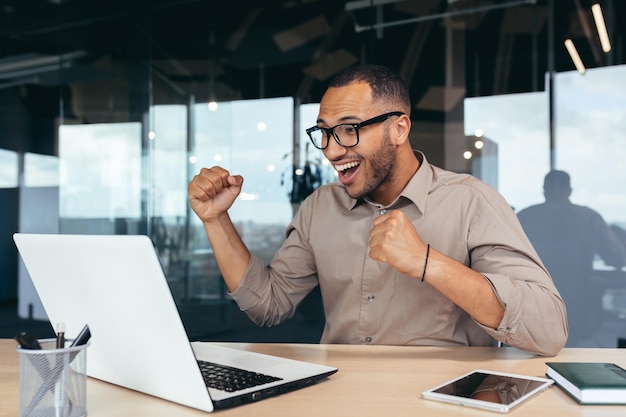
(489, 390)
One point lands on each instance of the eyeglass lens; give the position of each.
(347, 136)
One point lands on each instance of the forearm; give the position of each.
(231, 254)
(465, 287)
(534, 319)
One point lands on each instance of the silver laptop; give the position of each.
(115, 284)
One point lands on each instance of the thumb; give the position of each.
(235, 181)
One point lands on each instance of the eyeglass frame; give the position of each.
(356, 126)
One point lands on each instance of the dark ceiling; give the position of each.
(251, 49)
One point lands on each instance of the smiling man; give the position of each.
(404, 252)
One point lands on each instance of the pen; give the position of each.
(60, 335)
(59, 391)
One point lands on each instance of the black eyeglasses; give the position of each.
(345, 134)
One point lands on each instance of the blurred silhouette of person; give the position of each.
(568, 237)
(620, 233)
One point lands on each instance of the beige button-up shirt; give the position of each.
(367, 301)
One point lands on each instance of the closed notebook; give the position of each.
(590, 382)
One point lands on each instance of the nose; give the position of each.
(334, 151)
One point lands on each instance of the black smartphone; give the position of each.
(83, 337)
(27, 342)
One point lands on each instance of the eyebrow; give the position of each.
(342, 120)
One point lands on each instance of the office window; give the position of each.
(518, 124)
(8, 169)
(41, 170)
(590, 131)
(252, 138)
(168, 162)
(100, 176)
(591, 137)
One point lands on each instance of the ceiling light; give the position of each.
(573, 53)
(602, 33)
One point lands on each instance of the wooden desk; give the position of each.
(372, 381)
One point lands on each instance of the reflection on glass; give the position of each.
(41, 170)
(251, 138)
(590, 138)
(168, 192)
(169, 156)
(568, 237)
(100, 172)
(230, 137)
(516, 124)
(492, 388)
(590, 132)
(8, 169)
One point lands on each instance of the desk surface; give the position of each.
(372, 381)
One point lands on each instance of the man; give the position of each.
(568, 237)
(403, 252)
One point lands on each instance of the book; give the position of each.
(590, 382)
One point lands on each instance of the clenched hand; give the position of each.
(213, 191)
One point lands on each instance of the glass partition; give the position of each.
(41, 170)
(519, 127)
(580, 239)
(252, 138)
(9, 169)
(589, 266)
(590, 138)
(101, 178)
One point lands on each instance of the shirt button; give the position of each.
(368, 339)
(370, 297)
(383, 211)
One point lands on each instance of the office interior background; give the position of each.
(108, 109)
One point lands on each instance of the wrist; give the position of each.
(426, 261)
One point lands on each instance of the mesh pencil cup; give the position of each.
(53, 382)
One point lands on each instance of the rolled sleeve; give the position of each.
(534, 316)
(270, 294)
(246, 295)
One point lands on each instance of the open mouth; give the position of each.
(347, 171)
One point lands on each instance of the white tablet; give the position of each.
(489, 390)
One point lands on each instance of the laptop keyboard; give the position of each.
(229, 379)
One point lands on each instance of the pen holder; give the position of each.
(53, 382)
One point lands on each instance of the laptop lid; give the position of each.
(115, 284)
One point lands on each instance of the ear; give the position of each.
(401, 130)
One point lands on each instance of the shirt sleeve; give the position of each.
(270, 294)
(534, 318)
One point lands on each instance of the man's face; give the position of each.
(364, 168)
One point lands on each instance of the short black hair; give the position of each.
(386, 84)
